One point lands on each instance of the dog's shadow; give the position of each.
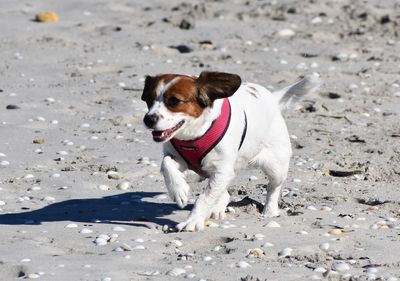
(131, 208)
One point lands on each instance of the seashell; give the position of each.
(243, 264)
(272, 224)
(335, 231)
(125, 185)
(285, 252)
(47, 17)
(340, 266)
(256, 252)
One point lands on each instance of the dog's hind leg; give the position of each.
(275, 166)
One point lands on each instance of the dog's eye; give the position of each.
(173, 101)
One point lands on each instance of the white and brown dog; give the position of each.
(214, 124)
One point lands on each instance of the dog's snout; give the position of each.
(150, 120)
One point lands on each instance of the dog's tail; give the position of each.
(291, 95)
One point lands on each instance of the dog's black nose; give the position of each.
(150, 120)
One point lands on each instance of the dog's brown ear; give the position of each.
(216, 85)
(149, 84)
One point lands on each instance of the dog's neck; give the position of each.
(196, 127)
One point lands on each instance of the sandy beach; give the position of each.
(81, 195)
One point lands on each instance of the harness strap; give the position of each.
(244, 130)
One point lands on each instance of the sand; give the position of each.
(71, 132)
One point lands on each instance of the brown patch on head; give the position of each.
(150, 85)
(182, 96)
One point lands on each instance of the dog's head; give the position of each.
(176, 101)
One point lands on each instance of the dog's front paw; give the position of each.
(269, 212)
(218, 211)
(180, 195)
(193, 223)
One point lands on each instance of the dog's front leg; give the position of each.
(206, 203)
(175, 181)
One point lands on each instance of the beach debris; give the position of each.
(12, 106)
(255, 253)
(125, 185)
(177, 271)
(47, 17)
(272, 224)
(340, 266)
(285, 252)
(342, 173)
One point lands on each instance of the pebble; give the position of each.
(324, 246)
(139, 247)
(268, 245)
(28, 176)
(49, 198)
(100, 241)
(4, 163)
(340, 266)
(207, 258)
(177, 243)
(106, 279)
(286, 32)
(25, 260)
(243, 264)
(125, 185)
(326, 209)
(272, 224)
(118, 228)
(312, 208)
(113, 175)
(190, 275)
(62, 152)
(371, 270)
(113, 237)
(285, 252)
(320, 269)
(85, 231)
(104, 187)
(2, 155)
(33, 276)
(259, 236)
(71, 225)
(177, 271)
(2, 203)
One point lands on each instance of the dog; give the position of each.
(214, 125)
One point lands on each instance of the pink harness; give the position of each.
(194, 151)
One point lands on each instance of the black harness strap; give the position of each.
(244, 130)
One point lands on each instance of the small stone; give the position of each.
(113, 175)
(243, 264)
(85, 231)
(285, 252)
(113, 238)
(324, 246)
(177, 243)
(126, 247)
(207, 258)
(4, 163)
(259, 236)
(12, 106)
(139, 247)
(106, 279)
(100, 241)
(373, 208)
(104, 187)
(28, 176)
(71, 225)
(2, 203)
(320, 269)
(371, 270)
(340, 266)
(125, 185)
(177, 271)
(190, 275)
(326, 209)
(33, 276)
(272, 224)
(119, 228)
(38, 141)
(49, 198)
(268, 245)
(47, 17)
(335, 231)
(312, 208)
(286, 32)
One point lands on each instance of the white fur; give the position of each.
(266, 146)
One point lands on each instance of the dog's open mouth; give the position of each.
(160, 136)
